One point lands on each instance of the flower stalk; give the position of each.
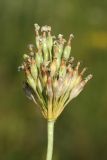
(50, 133)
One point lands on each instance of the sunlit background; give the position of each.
(81, 131)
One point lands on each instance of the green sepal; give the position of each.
(45, 49)
(49, 45)
(38, 59)
(34, 71)
(31, 82)
(67, 51)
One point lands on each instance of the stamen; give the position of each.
(71, 60)
(70, 38)
(83, 71)
(77, 67)
(49, 31)
(60, 36)
(37, 27)
(49, 28)
(25, 57)
(20, 68)
(31, 47)
(88, 78)
(61, 40)
(44, 28)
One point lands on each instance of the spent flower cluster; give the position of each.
(52, 80)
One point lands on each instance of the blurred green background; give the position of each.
(81, 130)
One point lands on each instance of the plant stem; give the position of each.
(50, 132)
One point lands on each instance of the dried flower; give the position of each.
(51, 80)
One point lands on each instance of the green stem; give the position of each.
(50, 132)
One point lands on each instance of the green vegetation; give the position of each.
(81, 133)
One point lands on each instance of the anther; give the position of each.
(71, 60)
(88, 78)
(83, 71)
(31, 47)
(70, 38)
(60, 36)
(25, 57)
(37, 27)
(44, 28)
(21, 68)
(49, 28)
(78, 64)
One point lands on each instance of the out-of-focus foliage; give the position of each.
(81, 131)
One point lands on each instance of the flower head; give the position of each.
(52, 80)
